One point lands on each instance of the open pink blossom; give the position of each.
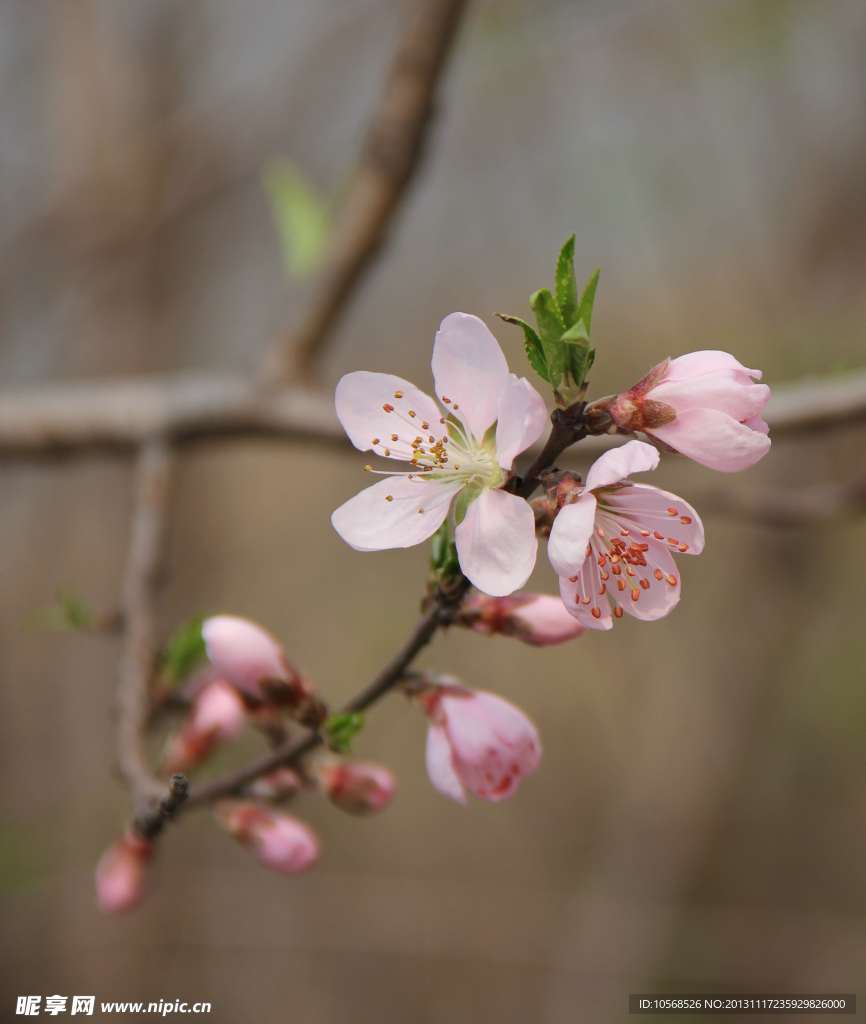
(611, 541)
(465, 452)
(477, 740)
(121, 875)
(278, 840)
(358, 787)
(704, 405)
(537, 619)
(217, 716)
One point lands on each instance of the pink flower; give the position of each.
(477, 740)
(121, 875)
(704, 405)
(354, 786)
(465, 453)
(252, 661)
(612, 540)
(217, 717)
(537, 619)
(278, 840)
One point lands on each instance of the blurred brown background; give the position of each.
(699, 819)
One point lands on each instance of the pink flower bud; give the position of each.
(704, 405)
(537, 619)
(278, 840)
(121, 875)
(276, 785)
(248, 657)
(355, 786)
(217, 716)
(477, 740)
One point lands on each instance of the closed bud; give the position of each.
(537, 619)
(248, 657)
(121, 875)
(357, 787)
(278, 840)
(276, 785)
(217, 716)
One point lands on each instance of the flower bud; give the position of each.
(276, 785)
(537, 619)
(278, 840)
(478, 740)
(357, 787)
(249, 658)
(217, 716)
(121, 875)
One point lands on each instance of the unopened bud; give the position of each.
(276, 785)
(562, 487)
(537, 619)
(217, 716)
(249, 658)
(121, 875)
(357, 787)
(278, 840)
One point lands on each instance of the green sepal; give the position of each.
(184, 651)
(444, 563)
(464, 500)
(340, 729)
(532, 344)
(566, 284)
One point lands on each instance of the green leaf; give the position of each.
(551, 327)
(69, 613)
(532, 343)
(584, 310)
(576, 334)
(566, 284)
(302, 217)
(184, 651)
(340, 729)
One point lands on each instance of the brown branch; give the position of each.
(438, 612)
(390, 157)
(153, 472)
(121, 414)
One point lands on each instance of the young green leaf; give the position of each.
(566, 284)
(584, 310)
(551, 328)
(340, 729)
(301, 215)
(70, 613)
(184, 651)
(532, 343)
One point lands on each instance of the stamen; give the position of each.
(673, 540)
(685, 520)
(388, 408)
(600, 532)
(398, 394)
(616, 570)
(624, 533)
(367, 469)
(389, 497)
(618, 612)
(672, 580)
(645, 584)
(394, 437)
(620, 584)
(635, 594)
(596, 613)
(572, 579)
(672, 512)
(447, 401)
(426, 426)
(683, 547)
(412, 414)
(603, 590)
(659, 575)
(658, 536)
(605, 575)
(587, 600)
(588, 551)
(644, 533)
(375, 440)
(387, 451)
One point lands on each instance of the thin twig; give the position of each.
(122, 414)
(438, 612)
(153, 472)
(390, 156)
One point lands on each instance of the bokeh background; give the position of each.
(699, 819)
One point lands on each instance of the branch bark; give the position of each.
(390, 157)
(153, 473)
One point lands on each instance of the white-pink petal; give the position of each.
(418, 507)
(720, 390)
(580, 595)
(371, 413)
(440, 765)
(570, 534)
(714, 439)
(640, 506)
(496, 542)
(470, 371)
(618, 463)
(706, 361)
(521, 419)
